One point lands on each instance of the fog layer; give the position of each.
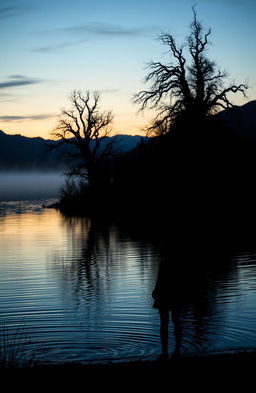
(29, 185)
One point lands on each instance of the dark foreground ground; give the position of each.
(204, 373)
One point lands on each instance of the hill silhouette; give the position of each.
(241, 120)
(20, 152)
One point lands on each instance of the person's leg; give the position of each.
(164, 321)
(177, 331)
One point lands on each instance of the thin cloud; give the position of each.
(19, 80)
(10, 119)
(109, 91)
(6, 97)
(57, 47)
(12, 11)
(101, 29)
(91, 32)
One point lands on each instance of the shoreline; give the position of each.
(241, 357)
(204, 373)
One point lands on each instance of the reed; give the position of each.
(13, 348)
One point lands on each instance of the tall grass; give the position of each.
(13, 348)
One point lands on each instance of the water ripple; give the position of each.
(83, 293)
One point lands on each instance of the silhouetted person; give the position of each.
(171, 293)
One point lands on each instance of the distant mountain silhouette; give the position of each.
(241, 120)
(122, 143)
(20, 152)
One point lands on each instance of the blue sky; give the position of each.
(51, 47)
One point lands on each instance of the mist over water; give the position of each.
(20, 185)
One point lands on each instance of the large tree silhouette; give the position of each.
(190, 87)
(84, 127)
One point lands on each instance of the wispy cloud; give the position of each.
(90, 32)
(12, 11)
(102, 29)
(109, 91)
(28, 117)
(6, 97)
(56, 47)
(19, 80)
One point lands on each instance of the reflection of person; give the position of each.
(169, 295)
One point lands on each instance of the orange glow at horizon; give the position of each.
(127, 120)
(126, 124)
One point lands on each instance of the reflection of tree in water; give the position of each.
(95, 252)
(86, 264)
(98, 255)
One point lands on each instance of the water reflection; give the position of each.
(107, 276)
(95, 254)
(83, 288)
(89, 272)
(193, 281)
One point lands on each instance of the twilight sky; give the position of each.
(51, 47)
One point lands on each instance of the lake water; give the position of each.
(73, 289)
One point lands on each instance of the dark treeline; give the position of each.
(201, 174)
(196, 172)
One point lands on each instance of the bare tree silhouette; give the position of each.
(190, 86)
(84, 127)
